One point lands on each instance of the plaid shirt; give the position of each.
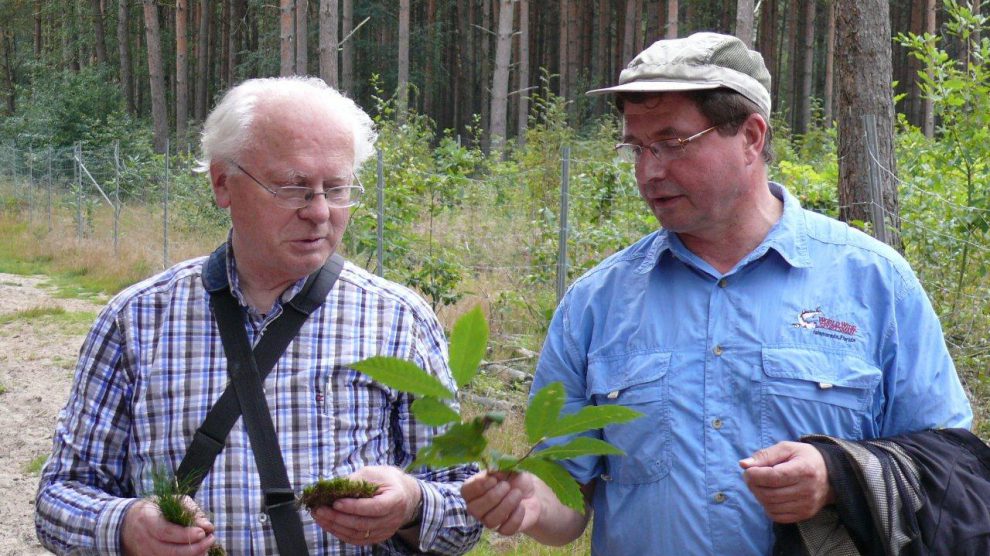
(153, 365)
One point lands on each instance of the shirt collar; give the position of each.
(787, 237)
(233, 278)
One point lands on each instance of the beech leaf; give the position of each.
(558, 479)
(543, 411)
(403, 376)
(592, 417)
(580, 446)
(434, 412)
(468, 342)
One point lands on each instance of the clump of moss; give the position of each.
(326, 491)
(167, 493)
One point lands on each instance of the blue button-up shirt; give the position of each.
(821, 329)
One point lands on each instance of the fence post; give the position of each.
(381, 213)
(165, 212)
(51, 154)
(31, 207)
(116, 195)
(876, 189)
(79, 191)
(565, 178)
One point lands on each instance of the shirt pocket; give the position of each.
(637, 381)
(805, 391)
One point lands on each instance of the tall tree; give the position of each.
(328, 41)
(124, 48)
(564, 30)
(828, 97)
(863, 64)
(803, 119)
(181, 70)
(523, 113)
(629, 35)
(672, 9)
(203, 58)
(402, 100)
(928, 105)
(99, 32)
(744, 21)
(346, 48)
(500, 77)
(302, 35)
(159, 112)
(287, 42)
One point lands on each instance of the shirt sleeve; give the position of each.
(83, 494)
(446, 528)
(921, 387)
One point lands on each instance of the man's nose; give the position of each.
(318, 209)
(649, 167)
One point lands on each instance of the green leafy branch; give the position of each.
(464, 441)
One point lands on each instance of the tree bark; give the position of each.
(672, 9)
(402, 90)
(328, 41)
(863, 64)
(629, 35)
(302, 34)
(803, 120)
(744, 21)
(181, 70)
(159, 112)
(928, 105)
(523, 114)
(565, 9)
(346, 50)
(124, 47)
(37, 30)
(287, 43)
(500, 78)
(99, 32)
(203, 59)
(829, 98)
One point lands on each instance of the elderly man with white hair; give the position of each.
(232, 371)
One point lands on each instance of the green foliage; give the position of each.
(34, 466)
(169, 495)
(327, 491)
(465, 441)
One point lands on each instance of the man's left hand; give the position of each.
(365, 521)
(790, 480)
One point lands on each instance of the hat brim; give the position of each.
(656, 87)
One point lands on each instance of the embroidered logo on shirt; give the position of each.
(816, 321)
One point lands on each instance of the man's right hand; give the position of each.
(146, 533)
(505, 502)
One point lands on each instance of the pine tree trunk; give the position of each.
(159, 112)
(99, 33)
(744, 21)
(807, 71)
(328, 41)
(181, 70)
(203, 59)
(124, 47)
(347, 51)
(629, 34)
(287, 42)
(402, 91)
(500, 78)
(928, 106)
(672, 9)
(565, 9)
(863, 64)
(523, 114)
(829, 97)
(302, 34)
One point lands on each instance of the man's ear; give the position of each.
(218, 180)
(754, 133)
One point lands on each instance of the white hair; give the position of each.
(227, 131)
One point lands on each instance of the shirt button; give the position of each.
(717, 350)
(606, 477)
(722, 283)
(717, 423)
(262, 518)
(719, 497)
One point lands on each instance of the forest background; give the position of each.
(497, 178)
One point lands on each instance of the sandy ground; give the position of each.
(36, 362)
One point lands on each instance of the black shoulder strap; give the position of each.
(247, 371)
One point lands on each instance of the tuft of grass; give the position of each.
(67, 321)
(34, 466)
(327, 491)
(33, 313)
(3, 389)
(168, 494)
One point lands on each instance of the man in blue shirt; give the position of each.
(742, 324)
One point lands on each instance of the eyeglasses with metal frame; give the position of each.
(664, 149)
(299, 197)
